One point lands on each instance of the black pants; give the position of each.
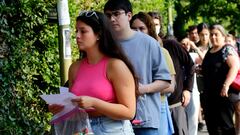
(218, 112)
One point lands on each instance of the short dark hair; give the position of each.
(117, 5)
(231, 36)
(233, 32)
(192, 27)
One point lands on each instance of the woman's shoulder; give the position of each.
(75, 65)
(228, 50)
(115, 67)
(115, 62)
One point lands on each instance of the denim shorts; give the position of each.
(107, 126)
(146, 131)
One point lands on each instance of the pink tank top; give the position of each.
(91, 80)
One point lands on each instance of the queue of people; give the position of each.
(131, 79)
(219, 66)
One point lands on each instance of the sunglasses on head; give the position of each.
(88, 14)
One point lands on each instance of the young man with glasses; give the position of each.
(146, 56)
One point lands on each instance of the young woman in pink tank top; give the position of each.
(103, 80)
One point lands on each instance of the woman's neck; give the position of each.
(94, 57)
(204, 47)
(216, 48)
(204, 43)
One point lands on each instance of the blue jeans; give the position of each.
(192, 111)
(166, 124)
(146, 131)
(108, 126)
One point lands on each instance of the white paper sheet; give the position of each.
(63, 90)
(64, 98)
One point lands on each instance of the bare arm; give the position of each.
(233, 63)
(200, 53)
(171, 88)
(124, 86)
(186, 96)
(188, 42)
(72, 72)
(156, 86)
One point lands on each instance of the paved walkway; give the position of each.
(204, 131)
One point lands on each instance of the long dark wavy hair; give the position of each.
(108, 44)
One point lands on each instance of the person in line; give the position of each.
(219, 68)
(193, 107)
(157, 19)
(200, 49)
(146, 55)
(180, 98)
(237, 39)
(144, 23)
(204, 43)
(230, 39)
(103, 78)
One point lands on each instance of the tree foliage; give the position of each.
(224, 12)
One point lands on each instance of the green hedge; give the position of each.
(29, 68)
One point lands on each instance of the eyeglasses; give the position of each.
(88, 14)
(115, 14)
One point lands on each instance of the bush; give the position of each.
(29, 68)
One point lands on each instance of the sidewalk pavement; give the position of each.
(203, 131)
